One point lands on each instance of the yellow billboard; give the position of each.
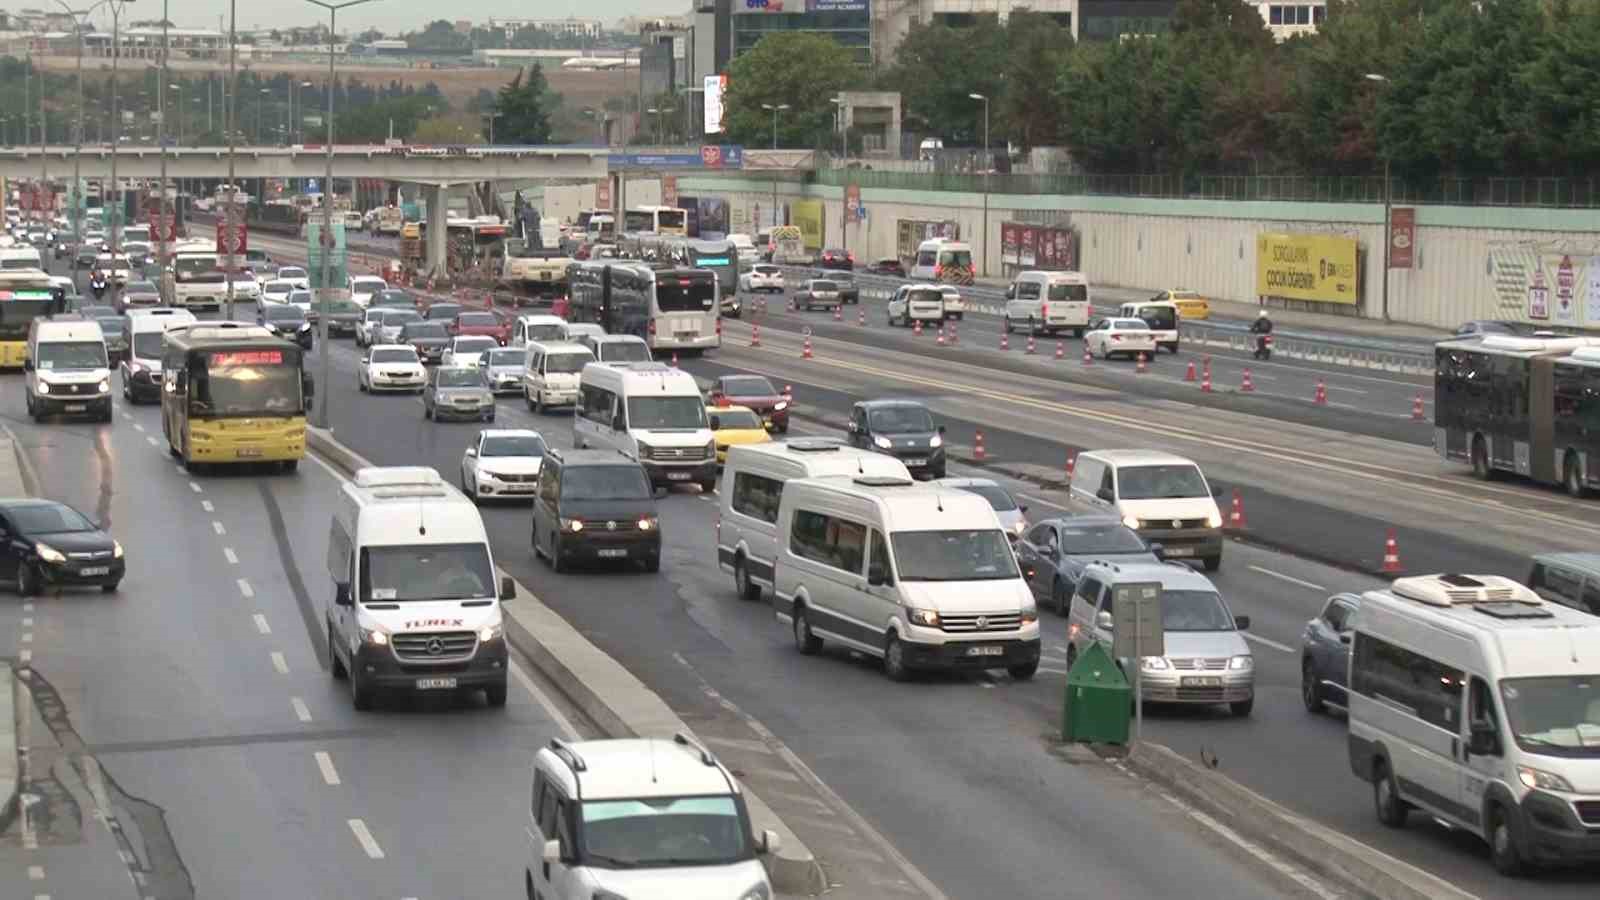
(1319, 267)
(807, 214)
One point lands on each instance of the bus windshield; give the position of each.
(685, 295)
(246, 383)
(15, 314)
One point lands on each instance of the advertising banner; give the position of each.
(713, 218)
(669, 190)
(1402, 237)
(767, 7)
(1010, 238)
(838, 6)
(1317, 267)
(602, 194)
(713, 86)
(1556, 283)
(809, 216)
(852, 197)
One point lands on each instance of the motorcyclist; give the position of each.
(1261, 327)
(98, 283)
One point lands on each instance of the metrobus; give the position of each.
(672, 308)
(24, 296)
(656, 219)
(233, 393)
(274, 217)
(1529, 406)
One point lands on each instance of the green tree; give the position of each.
(1562, 115)
(938, 68)
(801, 69)
(439, 37)
(524, 108)
(1031, 110)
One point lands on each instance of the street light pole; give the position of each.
(321, 419)
(1388, 236)
(116, 123)
(774, 110)
(162, 259)
(988, 163)
(78, 21)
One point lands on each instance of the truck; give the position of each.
(536, 276)
(389, 220)
(787, 246)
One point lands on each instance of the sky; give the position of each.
(390, 15)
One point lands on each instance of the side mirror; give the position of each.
(1483, 739)
(1344, 637)
(341, 594)
(1241, 622)
(770, 842)
(716, 422)
(552, 852)
(1104, 622)
(1158, 549)
(1011, 292)
(1106, 494)
(941, 429)
(508, 588)
(27, 365)
(472, 451)
(618, 423)
(1022, 509)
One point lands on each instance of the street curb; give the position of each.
(1337, 858)
(10, 762)
(608, 694)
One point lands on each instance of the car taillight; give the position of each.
(1044, 310)
(651, 328)
(719, 326)
(938, 270)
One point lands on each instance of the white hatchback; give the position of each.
(1129, 337)
(465, 350)
(763, 277)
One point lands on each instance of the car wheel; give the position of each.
(335, 664)
(1058, 598)
(1105, 352)
(1072, 656)
(1023, 671)
(1386, 797)
(1503, 843)
(360, 694)
(1574, 477)
(894, 659)
(748, 590)
(361, 385)
(495, 694)
(29, 580)
(708, 486)
(1310, 691)
(1241, 708)
(807, 643)
(652, 564)
(1008, 324)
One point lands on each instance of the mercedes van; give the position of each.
(67, 369)
(147, 328)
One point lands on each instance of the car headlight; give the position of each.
(782, 405)
(116, 549)
(573, 525)
(927, 617)
(1131, 521)
(1030, 615)
(44, 387)
(1214, 520)
(1545, 781)
(49, 553)
(375, 636)
(1153, 663)
(1242, 663)
(758, 892)
(489, 632)
(936, 442)
(603, 894)
(105, 385)
(882, 442)
(647, 523)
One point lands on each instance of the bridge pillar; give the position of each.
(435, 252)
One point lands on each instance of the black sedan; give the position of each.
(1325, 654)
(86, 257)
(1054, 553)
(48, 544)
(429, 339)
(887, 265)
(287, 321)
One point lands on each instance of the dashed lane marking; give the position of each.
(1289, 578)
(195, 486)
(301, 711)
(217, 527)
(206, 505)
(261, 623)
(27, 607)
(365, 838)
(325, 763)
(27, 621)
(137, 427)
(1267, 642)
(279, 663)
(230, 556)
(155, 443)
(246, 589)
(27, 637)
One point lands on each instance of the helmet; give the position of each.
(1262, 314)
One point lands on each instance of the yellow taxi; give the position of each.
(732, 425)
(1189, 303)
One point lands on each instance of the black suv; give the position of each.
(595, 505)
(903, 429)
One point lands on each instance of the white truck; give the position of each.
(389, 220)
(196, 281)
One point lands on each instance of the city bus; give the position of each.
(233, 393)
(274, 217)
(672, 308)
(196, 280)
(1519, 405)
(656, 219)
(25, 295)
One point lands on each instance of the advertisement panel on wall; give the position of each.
(1317, 267)
(1402, 237)
(838, 5)
(1546, 285)
(767, 7)
(808, 215)
(1024, 245)
(713, 217)
(713, 86)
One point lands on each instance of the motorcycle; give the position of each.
(1264, 347)
(98, 287)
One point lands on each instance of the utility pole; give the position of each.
(988, 163)
(116, 124)
(232, 221)
(165, 215)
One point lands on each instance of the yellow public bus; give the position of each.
(233, 393)
(25, 295)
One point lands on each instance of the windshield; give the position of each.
(1162, 317)
(900, 420)
(605, 483)
(666, 412)
(1109, 537)
(395, 298)
(514, 445)
(1194, 611)
(443, 311)
(547, 332)
(566, 363)
(278, 287)
(42, 518)
(504, 358)
(478, 320)
(767, 270)
(736, 418)
(925, 296)
(624, 351)
(748, 386)
(1557, 715)
(191, 268)
(422, 331)
(291, 272)
(686, 294)
(71, 355)
(473, 344)
(368, 286)
(285, 314)
(961, 259)
(658, 832)
(395, 355)
(139, 287)
(247, 383)
(425, 572)
(401, 318)
(298, 297)
(459, 378)
(824, 286)
(978, 555)
(1160, 482)
(147, 345)
(999, 499)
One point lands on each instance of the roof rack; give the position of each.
(566, 754)
(683, 740)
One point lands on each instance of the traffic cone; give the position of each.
(674, 359)
(941, 336)
(861, 318)
(1206, 368)
(1236, 515)
(1205, 381)
(1247, 385)
(1061, 350)
(1391, 554)
(1031, 347)
(978, 453)
(1189, 375)
(1005, 341)
(1416, 409)
(838, 315)
(755, 335)
(805, 349)
(955, 338)
(1088, 360)
(1321, 396)
(1072, 463)
(1142, 367)
(916, 328)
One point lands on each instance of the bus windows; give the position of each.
(685, 294)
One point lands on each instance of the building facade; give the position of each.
(586, 28)
(847, 21)
(1287, 18)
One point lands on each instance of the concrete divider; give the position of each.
(1358, 869)
(608, 694)
(10, 763)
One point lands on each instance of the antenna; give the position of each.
(422, 517)
(652, 762)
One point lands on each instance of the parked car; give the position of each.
(1325, 654)
(1055, 552)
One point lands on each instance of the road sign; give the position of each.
(232, 238)
(1136, 608)
(852, 197)
(602, 194)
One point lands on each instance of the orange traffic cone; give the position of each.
(1061, 350)
(1236, 515)
(1072, 463)
(1088, 360)
(755, 335)
(1205, 381)
(1031, 347)
(954, 337)
(674, 359)
(978, 453)
(1005, 341)
(1391, 554)
(1321, 396)
(838, 315)
(940, 339)
(788, 395)
(1190, 374)
(805, 349)
(1142, 367)
(1247, 385)
(861, 318)
(1416, 409)
(916, 328)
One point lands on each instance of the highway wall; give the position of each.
(1206, 245)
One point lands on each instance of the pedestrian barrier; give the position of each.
(1031, 348)
(1142, 367)
(1088, 359)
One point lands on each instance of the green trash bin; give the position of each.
(1098, 699)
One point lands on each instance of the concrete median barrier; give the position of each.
(10, 763)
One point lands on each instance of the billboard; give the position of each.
(1555, 284)
(1402, 237)
(767, 7)
(714, 85)
(809, 216)
(1316, 267)
(838, 5)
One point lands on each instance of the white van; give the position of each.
(541, 328)
(652, 412)
(943, 260)
(1478, 703)
(922, 576)
(20, 257)
(1165, 498)
(1048, 302)
(618, 348)
(414, 603)
(67, 370)
(550, 372)
(1161, 315)
(753, 480)
(141, 371)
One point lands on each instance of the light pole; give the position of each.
(988, 164)
(1388, 237)
(178, 86)
(165, 216)
(232, 221)
(491, 117)
(116, 122)
(261, 103)
(321, 419)
(774, 110)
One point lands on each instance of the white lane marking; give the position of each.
(325, 763)
(27, 621)
(36, 873)
(541, 698)
(156, 443)
(359, 829)
(279, 663)
(27, 637)
(1289, 578)
(1041, 501)
(138, 427)
(246, 589)
(41, 897)
(1053, 670)
(261, 623)
(127, 418)
(1266, 642)
(301, 711)
(27, 607)
(25, 656)
(1338, 387)
(217, 527)
(230, 556)
(206, 505)
(195, 486)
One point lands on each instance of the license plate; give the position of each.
(686, 335)
(247, 452)
(612, 553)
(916, 461)
(986, 650)
(677, 476)
(77, 407)
(1202, 682)
(95, 570)
(1178, 551)
(434, 684)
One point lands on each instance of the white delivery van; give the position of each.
(652, 412)
(415, 605)
(147, 328)
(1048, 302)
(1165, 498)
(542, 328)
(753, 480)
(920, 575)
(1477, 703)
(550, 372)
(67, 370)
